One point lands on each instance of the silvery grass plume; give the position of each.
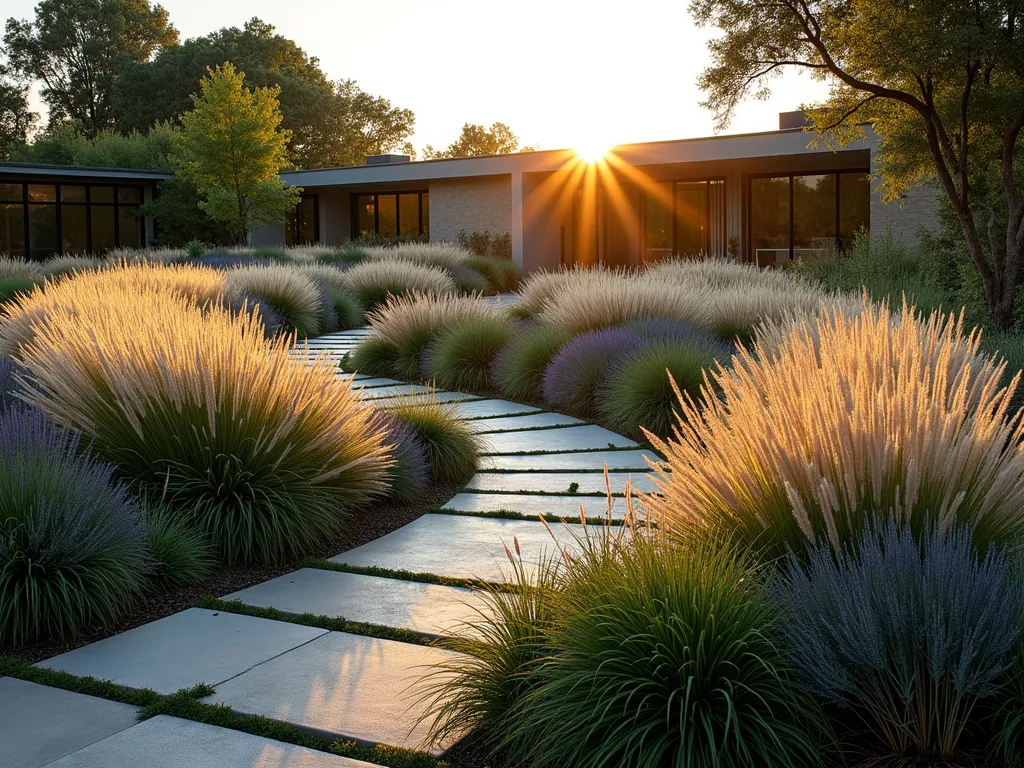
(881, 415)
(907, 634)
(293, 295)
(378, 278)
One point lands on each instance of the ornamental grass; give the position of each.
(443, 255)
(294, 296)
(882, 416)
(20, 319)
(265, 455)
(377, 280)
(462, 355)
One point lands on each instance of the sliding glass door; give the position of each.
(684, 219)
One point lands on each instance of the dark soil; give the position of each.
(469, 753)
(364, 526)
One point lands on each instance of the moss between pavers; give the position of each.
(391, 573)
(320, 621)
(511, 514)
(185, 704)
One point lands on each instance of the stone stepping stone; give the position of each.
(379, 381)
(179, 651)
(559, 482)
(461, 546)
(432, 609)
(401, 390)
(537, 504)
(529, 421)
(343, 686)
(436, 397)
(352, 376)
(554, 440)
(483, 409)
(41, 724)
(562, 462)
(170, 742)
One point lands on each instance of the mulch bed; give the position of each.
(368, 524)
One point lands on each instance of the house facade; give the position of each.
(766, 198)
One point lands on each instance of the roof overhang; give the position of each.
(80, 171)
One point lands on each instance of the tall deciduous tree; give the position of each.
(331, 123)
(476, 140)
(75, 48)
(232, 147)
(16, 119)
(942, 82)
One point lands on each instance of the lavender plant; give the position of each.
(906, 636)
(581, 366)
(72, 549)
(411, 471)
(8, 384)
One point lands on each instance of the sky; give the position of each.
(561, 73)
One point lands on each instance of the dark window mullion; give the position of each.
(60, 228)
(24, 214)
(376, 214)
(88, 219)
(791, 229)
(117, 220)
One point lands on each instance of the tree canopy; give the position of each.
(16, 119)
(331, 123)
(476, 140)
(75, 49)
(232, 148)
(941, 81)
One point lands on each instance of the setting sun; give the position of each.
(592, 151)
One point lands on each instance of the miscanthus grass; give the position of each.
(375, 281)
(293, 295)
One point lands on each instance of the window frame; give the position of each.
(354, 212)
(292, 225)
(748, 256)
(707, 181)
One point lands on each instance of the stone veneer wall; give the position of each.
(906, 217)
(471, 205)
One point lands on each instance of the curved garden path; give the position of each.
(333, 683)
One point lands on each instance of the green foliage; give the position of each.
(452, 449)
(1008, 741)
(350, 311)
(76, 47)
(462, 354)
(504, 647)
(12, 287)
(16, 119)
(373, 356)
(519, 367)
(393, 573)
(476, 140)
(90, 686)
(468, 280)
(497, 246)
(503, 275)
(232, 148)
(179, 219)
(641, 396)
(195, 248)
(182, 556)
(638, 623)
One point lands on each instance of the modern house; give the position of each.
(767, 198)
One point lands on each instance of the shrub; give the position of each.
(640, 396)
(263, 454)
(347, 308)
(328, 313)
(664, 656)
(71, 550)
(452, 450)
(374, 281)
(468, 280)
(411, 471)
(518, 370)
(373, 356)
(26, 314)
(462, 355)
(13, 287)
(292, 295)
(503, 276)
(501, 649)
(182, 556)
(906, 636)
(575, 374)
(195, 248)
(909, 408)
(409, 323)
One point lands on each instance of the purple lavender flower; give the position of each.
(411, 472)
(8, 384)
(224, 260)
(581, 366)
(668, 329)
(328, 312)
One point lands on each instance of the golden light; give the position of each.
(592, 151)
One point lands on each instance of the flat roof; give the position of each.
(81, 171)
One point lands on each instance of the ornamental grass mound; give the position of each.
(20, 319)
(518, 369)
(297, 298)
(906, 636)
(462, 354)
(452, 450)
(573, 380)
(373, 282)
(877, 417)
(264, 455)
(73, 551)
(410, 473)
(443, 255)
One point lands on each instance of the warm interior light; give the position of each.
(592, 151)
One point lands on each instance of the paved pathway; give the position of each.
(334, 684)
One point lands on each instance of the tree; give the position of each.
(476, 140)
(16, 119)
(331, 123)
(75, 48)
(232, 147)
(942, 82)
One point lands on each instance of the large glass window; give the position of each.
(391, 214)
(684, 218)
(68, 218)
(302, 226)
(805, 216)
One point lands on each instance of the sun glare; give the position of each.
(591, 152)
